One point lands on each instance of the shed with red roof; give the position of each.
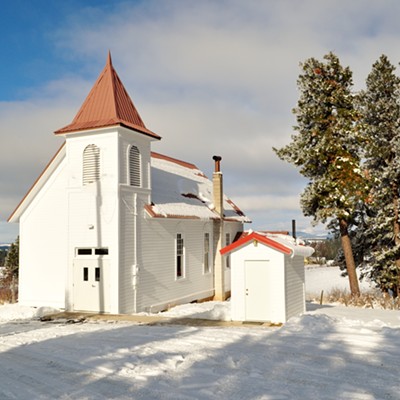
(267, 277)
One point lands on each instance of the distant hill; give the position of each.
(313, 236)
(4, 246)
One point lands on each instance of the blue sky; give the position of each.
(31, 36)
(28, 45)
(211, 77)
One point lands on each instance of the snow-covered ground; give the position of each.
(320, 278)
(331, 352)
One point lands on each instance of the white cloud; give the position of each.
(30, 144)
(209, 77)
(268, 202)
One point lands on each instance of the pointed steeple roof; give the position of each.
(108, 104)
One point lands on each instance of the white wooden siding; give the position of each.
(107, 142)
(294, 286)
(43, 245)
(127, 251)
(128, 139)
(158, 287)
(131, 217)
(123, 160)
(232, 228)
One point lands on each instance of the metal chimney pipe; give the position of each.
(294, 228)
(217, 160)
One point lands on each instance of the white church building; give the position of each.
(110, 226)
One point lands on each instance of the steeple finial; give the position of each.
(109, 61)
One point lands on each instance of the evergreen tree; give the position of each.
(380, 111)
(357, 227)
(12, 261)
(325, 149)
(3, 254)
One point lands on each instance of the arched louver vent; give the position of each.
(134, 166)
(91, 164)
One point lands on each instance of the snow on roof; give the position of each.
(284, 243)
(181, 190)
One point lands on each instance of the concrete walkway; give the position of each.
(76, 317)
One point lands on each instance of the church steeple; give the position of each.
(108, 104)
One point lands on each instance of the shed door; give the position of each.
(91, 285)
(257, 276)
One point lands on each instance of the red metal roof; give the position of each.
(174, 160)
(108, 104)
(254, 236)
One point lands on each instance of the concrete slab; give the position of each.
(75, 317)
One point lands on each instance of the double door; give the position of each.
(91, 290)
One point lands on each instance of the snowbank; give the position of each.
(15, 312)
(213, 310)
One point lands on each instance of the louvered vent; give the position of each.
(134, 166)
(91, 164)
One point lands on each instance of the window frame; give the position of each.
(91, 164)
(97, 274)
(92, 252)
(206, 253)
(180, 262)
(227, 243)
(83, 251)
(134, 176)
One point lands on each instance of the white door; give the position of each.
(258, 305)
(91, 285)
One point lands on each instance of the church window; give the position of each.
(91, 164)
(227, 243)
(134, 166)
(206, 254)
(180, 256)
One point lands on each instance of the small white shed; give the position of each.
(267, 277)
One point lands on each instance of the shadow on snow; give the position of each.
(310, 358)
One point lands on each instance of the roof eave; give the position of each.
(255, 237)
(149, 209)
(72, 128)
